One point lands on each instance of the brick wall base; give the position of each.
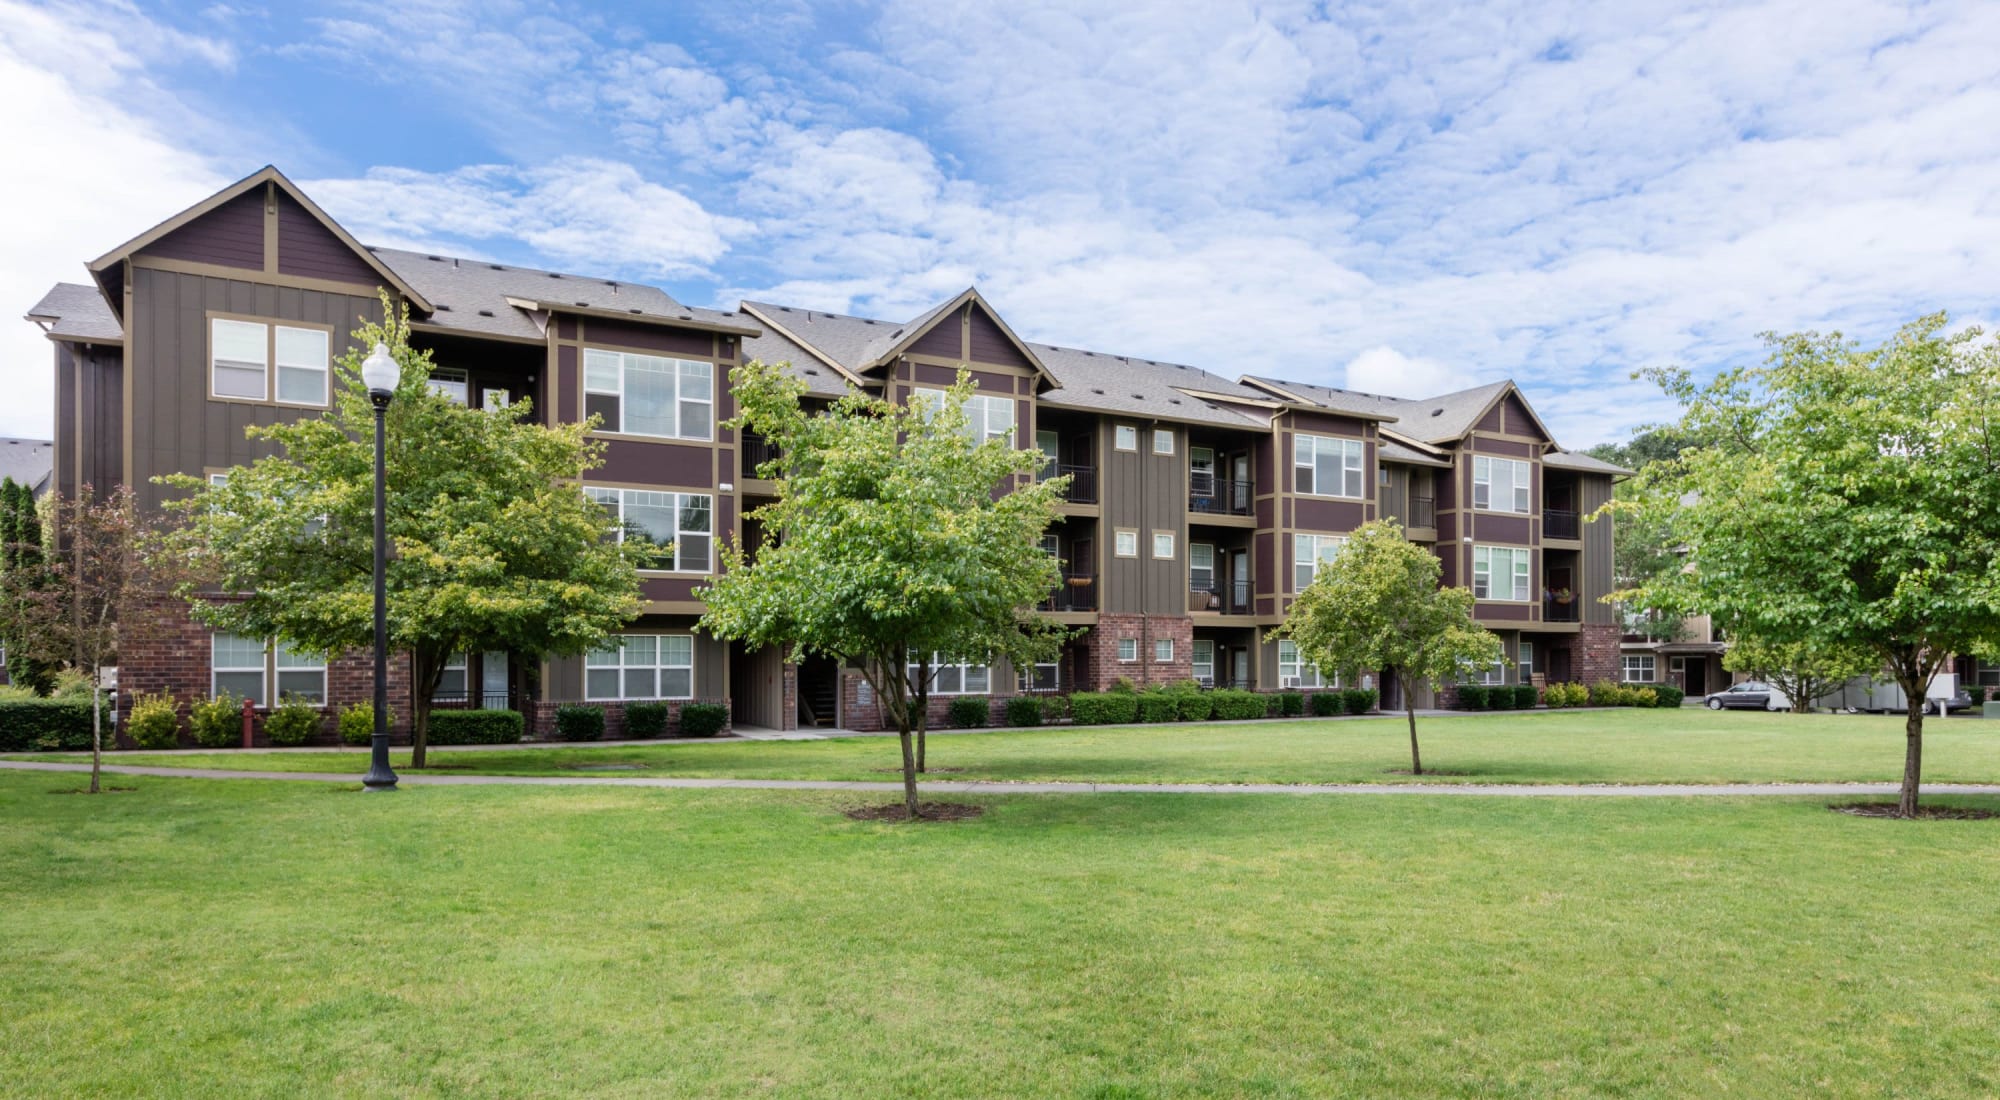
(1595, 656)
(1102, 642)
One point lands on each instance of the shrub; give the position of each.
(1023, 710)
(1472, 696)
(1103, 708)
(1325, 703)
(1125, 686)
(153, 722)
(967, 711)
(703, 719)
(71, 684)
(478, 727)
(1360, 700)
(357, 723)
(1669, 695)
(1555, 697)
(1193, 706)
(294, 721)
(44, 725)
(1291, 704)
(1977, 693)
(1236, 705)
(578, 722)
(1524, 696)
(646, 719)
(217, 723)
(1604, 693)
(1055, 708)
(1644, 697)
(1157, 706)
(1579, 696)
(17, 693)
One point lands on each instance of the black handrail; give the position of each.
(1423, 512)
(1559, 523)
(1082, 481)
(1226, 498)
(756, 451)
(1076, 592)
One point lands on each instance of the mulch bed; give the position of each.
(1924, 813)
(926, 811)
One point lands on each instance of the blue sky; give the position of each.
(1396, 198)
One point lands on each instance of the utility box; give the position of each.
(1989, 710)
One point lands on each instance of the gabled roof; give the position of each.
(72, 311)
(1440, 419)
(1576, 460)
(1145, 388)
(822, 379)
(777, 321)
(1366, 406)
(910, 333)
(1390, 450)
(259, 178)
(859, 345)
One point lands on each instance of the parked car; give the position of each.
(1748, 695)
(1960, 701)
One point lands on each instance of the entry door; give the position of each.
(1239, 482)
(493, 680)
(1239, 667)
(1239, 580)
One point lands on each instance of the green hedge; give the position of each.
(1359, 700)
(1103, 708)
(357, 723)
(1977, 693)
(647, 719)
(1237, 705)
(1524, 696)
(1325, 704)
(1157, 706)
(703, 719)
(477, 727)
(1193, 706)
(968, 711)
(1668, 695)
(579, 722)
(294, 721)
(1024, 710)
(1291, 704)
(1472, 696)
(45, 725)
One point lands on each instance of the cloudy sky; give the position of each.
(1394, 198)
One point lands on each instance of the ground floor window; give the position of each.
(1163, 650)
(1128, 649)
(641, 666)
(451, 681)
(1526, 662)
(1204, 662)
(1639, 668)
(1495, 673)
(950, 677)
(246, 667)
(1296, 673)
(1043, 677)
(1987, 674)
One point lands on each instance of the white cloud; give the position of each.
(1389, 372)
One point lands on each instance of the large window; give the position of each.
(1327, 467)
(1500, 572)
(452, 682)
(677, 529)
(649, 394)
(241, 355)
(986, 416)
(1639, 668)
(1201, 567)
(454, 384)
(641, 666)
(300, 674)
(1044, 677)
(1202, 667)
(1501, 484)
(245, 666)
(949, 677)
(1293, 672)
(1309, 552)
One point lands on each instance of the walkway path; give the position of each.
(934, 787)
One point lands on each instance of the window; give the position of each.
(1125, 437)
(1638, 668)
(1128, 649)
(1051, 449)
(1327, 467)
(1163, 650)
(1495, 673)
(641, 666)
(237, 665)
(1163, 441)
(1045, 677)
(1201, 471)
(454, 384)
(1986, 673)
(676, 528)
(1525, 661)
(649, 395)
(493, 398)
(241, 354)
(1201, 567)
(1500, 484)
(1052, 545)
(1500, 572)
(1125, 543)
(950, 677)
(1163, 545)
(300, 674)
(1309, 552)
(986, 417)
(1292, 672)
(451, 681)
(1203, 669)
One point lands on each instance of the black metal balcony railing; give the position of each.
(1559, 523)
(1224, 498)
(1082, 481)
(1211, 683)
(1076, 592)
(1230, 599)
(475, 700)
(1559, 609)
(1423, 512)
(756, 451)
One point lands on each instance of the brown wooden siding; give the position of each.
(1147, 493)
(1519, 420)
(667, 464)
(1493, 421)
(671, 341)
(231, 235)
(711, 661)
(90, 421)
(1598, 563)
(988, 343)
(1504, 447)
(309, 250)
(945, 338)
(1327, 516)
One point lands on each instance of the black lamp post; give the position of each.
(380, 373)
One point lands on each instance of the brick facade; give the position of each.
(1104, 667)
(1595, 656)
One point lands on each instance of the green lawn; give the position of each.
(268, 939)
(1624, 746)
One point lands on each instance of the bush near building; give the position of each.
(703, 719)
(483, 727)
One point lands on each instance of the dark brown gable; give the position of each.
(231, 235)
(308, 250)
(945, 338)
(991, 344)
(1519, 420)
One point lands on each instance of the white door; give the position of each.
(493, 680)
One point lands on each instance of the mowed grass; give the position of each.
(1618, 746)
(263, 939)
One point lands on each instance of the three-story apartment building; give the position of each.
(1199, 505)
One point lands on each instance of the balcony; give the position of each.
(1232, 598)
(1082, 481)
(1076, 592)
(1423, 512)
(1560, 523)
(1208, 496)
(1560, 608)
(756, 451)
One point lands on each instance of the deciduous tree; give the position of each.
(21, 553)
(1804, 671)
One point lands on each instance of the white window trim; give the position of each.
(460, 663)
(262, 668)
(1524, 660)
(1523, 581)
(1125, 646)
(1024, 680)
(623, 402)
(1195, 552)
(979, 413)
(680, 501)
(304, 665)
(1168, 537)
(454, 384)
(659, 667)
(1118, 435)
(1311, 558)
(965, 670)
(1521, 483)
(1163, 656)
(1160, 436)
(1118, 543)
(1196, 662)
(1349, 448)
(271, 364)
(1626, 662)
(1302, 674)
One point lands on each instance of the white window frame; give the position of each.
(261, 668)
(1203, 657)
(1124, 542)
(1128, 651)
(960, 680)
(1520, 562)
(1201, 558)
(1353, 459)
(1125, 437)
(983, 413)
(275, 361)
(683, 372)
(1163, 441)
(1491, 675)
(1045, 678)
(1519, 478)
(1201, 472)
(1294, 671)
(1524, 660)
(288, 663)
(1627, 662)
(1309, 552)
(621, 663)
(685, 560)
(1163, 546)
(460, 663)
(1163, 651)
(454, 384)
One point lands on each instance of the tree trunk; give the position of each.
(1913, 753)
(909, 774)
(425, 671)
(892, 694)
(96, 734)
(923, 716)
(1410, 711)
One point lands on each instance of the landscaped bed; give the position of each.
(1610, 746)
(244, 938)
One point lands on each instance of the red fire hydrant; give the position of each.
(249, 722)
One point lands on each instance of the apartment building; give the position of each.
(1199, 504)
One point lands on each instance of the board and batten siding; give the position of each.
(711, 661)
(1147, 493)
(1600, 573)
(90, 421)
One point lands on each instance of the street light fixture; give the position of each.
(380, 373)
